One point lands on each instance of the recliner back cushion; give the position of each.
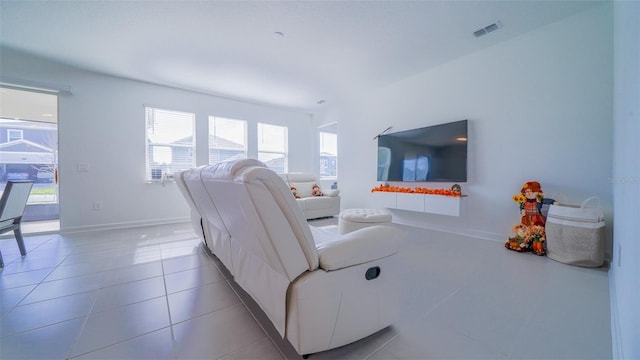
(258, 209)
(216, 229)
(196, 218)
(289, 209)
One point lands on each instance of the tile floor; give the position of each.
(155, 293)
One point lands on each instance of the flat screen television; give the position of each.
(435, 153)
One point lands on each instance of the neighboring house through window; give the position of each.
(170, 142)
(272, 146)
(328, 155)
(227, 139)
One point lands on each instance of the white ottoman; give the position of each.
(354, 219)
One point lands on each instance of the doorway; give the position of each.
(29, 151)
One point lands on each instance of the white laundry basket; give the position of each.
(575, 234)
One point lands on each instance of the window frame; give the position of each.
(321, 160)
(245, 147)
(162, 173)
(284, 153)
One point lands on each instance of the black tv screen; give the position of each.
(435, 153)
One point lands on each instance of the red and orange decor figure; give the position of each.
(529, 235)
(531, 208)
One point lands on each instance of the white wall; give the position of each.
(624, 274)
(102, 124)
(539, 107)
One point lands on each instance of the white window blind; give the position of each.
(170, 142)
(227, 139)
(272, 146)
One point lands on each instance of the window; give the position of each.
(272, 146)
(170, 142)
(227, 139)
(328, 155)
(14, 135)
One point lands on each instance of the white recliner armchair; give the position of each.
(320, 290)
(313, 207)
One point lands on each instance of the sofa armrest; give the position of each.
(331, 193)
(358, 247)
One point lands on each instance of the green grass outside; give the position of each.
(44, 191)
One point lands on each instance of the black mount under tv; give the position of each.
(429, 154)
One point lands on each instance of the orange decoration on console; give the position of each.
(417, 190)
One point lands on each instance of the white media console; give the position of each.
(435, 204)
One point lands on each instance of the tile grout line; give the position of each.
(84, 324)
(116, 343)
(174, 346)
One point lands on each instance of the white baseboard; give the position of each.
(123, 225)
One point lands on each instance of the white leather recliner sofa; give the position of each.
(313, 207)
(320, 290)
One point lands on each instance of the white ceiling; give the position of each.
(330, 49)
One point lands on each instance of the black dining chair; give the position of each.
(12, 204)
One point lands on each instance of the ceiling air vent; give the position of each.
(487, 29)
(480, 32)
